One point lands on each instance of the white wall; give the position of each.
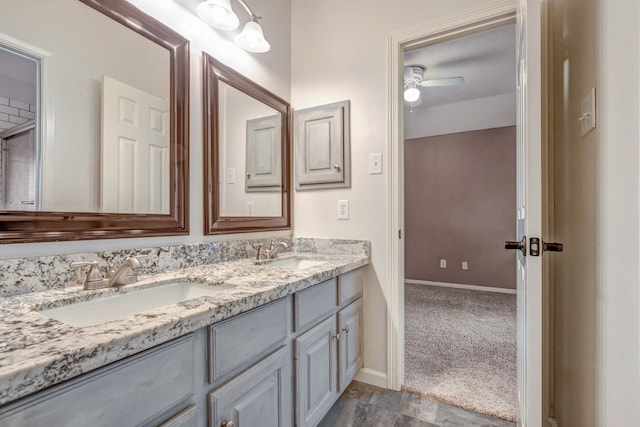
(339, 52)
(618, 295)
(476, 114)
(271, 70)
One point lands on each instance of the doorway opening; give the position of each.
(459, 114)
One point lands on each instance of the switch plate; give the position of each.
(465, 265)
(443, 263)
(343, 209)
(250, 207)
(588, 113)
(375, 164)
(231, 175)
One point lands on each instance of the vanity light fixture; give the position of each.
(218, 14)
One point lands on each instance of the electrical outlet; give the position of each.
(250, 207)
(375, 164)
(443, 263)
(343, 209)
(465, 265)
(231, 175)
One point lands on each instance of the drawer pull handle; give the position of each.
(227, 423)
(345, 329)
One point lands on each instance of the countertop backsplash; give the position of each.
(35, 274)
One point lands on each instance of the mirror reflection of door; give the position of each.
(19, 153)
(135, 150)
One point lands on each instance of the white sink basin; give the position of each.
(119, 306)
(295, 263)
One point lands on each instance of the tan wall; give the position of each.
(460, 193)
(574, 41)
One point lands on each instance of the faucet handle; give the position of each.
(260, 250)
(94, 275)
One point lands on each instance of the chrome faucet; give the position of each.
(120, 277)
(124, 275)
(272, 252)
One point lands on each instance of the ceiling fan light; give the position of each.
(252, 38)
(218, 14)
(411, 94)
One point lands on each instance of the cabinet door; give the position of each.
(350, 345)
(263, 154)
(316, 376)
(260, 396)
(322, 146)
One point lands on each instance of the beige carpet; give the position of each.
(460, 348)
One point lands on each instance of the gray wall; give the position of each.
(460, 205)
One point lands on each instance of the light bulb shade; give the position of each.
(252, 39)
(411, 94)
(218, 14)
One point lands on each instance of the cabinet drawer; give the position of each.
(350, 286)
(314, 303)
(238, 342)
(126, 393)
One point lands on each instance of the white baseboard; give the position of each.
(459, 286)
(371, 376)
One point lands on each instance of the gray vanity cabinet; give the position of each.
(139, 390)
(260, 396)
(330, 353)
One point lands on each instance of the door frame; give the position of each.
(479, 18)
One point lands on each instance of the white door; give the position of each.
(529, 212)
(135, 150)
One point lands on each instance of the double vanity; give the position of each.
(206, 334)
(236, 343)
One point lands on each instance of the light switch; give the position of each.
(343, 209)
(250, 208)
(375, 164)
(588, 113)
(231, 175)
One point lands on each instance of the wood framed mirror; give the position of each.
(247, 149)
(110, 116)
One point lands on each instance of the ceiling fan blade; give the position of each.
(451, 81)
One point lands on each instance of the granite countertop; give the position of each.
(37, 352)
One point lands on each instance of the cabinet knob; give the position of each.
(336, 337)
(248, 175)
(345, 329)
(336, 166)
(227, 423)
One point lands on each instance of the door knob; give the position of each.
(521, 245)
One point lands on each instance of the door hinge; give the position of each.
(400, 234)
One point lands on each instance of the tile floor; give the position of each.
(363, 405)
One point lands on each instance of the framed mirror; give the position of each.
(94, 112)
(247, 154)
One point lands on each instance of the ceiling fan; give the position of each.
(414, 77)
